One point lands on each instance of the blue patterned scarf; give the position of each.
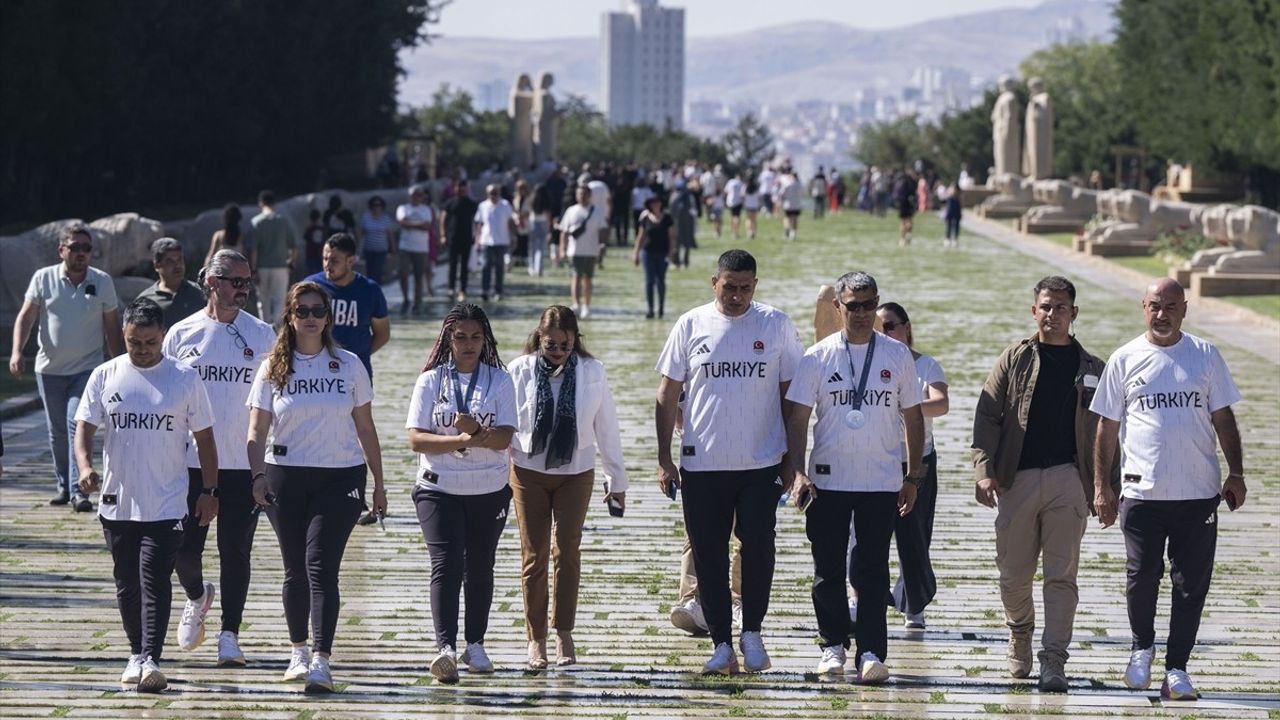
(555, 425)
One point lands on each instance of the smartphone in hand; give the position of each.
(807, 496)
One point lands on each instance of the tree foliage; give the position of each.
(106, 104)
(464, 136)
(893, 144)
(1203, 82)
(750, 143)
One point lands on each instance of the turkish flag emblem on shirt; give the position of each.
(758, 347)
(885, 375)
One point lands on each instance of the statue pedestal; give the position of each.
(1213, 284)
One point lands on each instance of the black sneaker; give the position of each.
(82, 503)
(368, 518)
(61, 498)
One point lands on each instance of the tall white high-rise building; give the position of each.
(643, 64)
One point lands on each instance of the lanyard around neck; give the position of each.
(459, 399)
(861, 386)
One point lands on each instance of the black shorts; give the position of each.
(793, 213)
(735, 210)
(584, 265)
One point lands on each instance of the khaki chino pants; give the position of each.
(550, 510)
(1044, 513)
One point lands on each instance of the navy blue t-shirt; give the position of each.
(354, 306)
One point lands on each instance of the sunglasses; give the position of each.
(890, 325)
(305, 311)
(865, 306)
(80, 247)
(553, 347)
(239, 283)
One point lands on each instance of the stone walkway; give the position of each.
(61, 646)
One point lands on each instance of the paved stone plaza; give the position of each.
(62, 647)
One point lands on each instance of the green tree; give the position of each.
(464, 136)
(749, 144)
(894, 144)
(962, 138)
(1091, 111)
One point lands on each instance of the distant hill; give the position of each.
(787, 63)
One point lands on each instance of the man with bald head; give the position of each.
(1164, 398)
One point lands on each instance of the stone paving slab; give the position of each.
(61, 646)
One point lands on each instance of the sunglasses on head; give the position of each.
(239, 283)
(79, 247)
(865, 306)
(305, 311)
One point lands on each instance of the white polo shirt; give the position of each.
(1163, 397)
(731, 368)
(146, 415)
(867, 459)
(433, 407)
(226, 356)
(312, 424)
(587, 244)
(494, 218)
(412, 239)
(70, 340)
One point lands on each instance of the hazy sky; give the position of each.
(567, 18)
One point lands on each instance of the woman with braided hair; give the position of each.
(566, 412)
(461, 417)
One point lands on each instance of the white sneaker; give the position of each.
(229, 654)
(724, 661)
(737, 615)
(833, 660)
(299, 664)
(914, 621)
(1138, 674)
(586, 312)
(688, 617)
(191, 627)
(445, 667)
(152, 679)
(132, 672)
(319, 677)
(476, 660)
(754, 657)
(870, 670)
(1177, 686)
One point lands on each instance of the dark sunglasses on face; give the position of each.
(305, 311)
(866, 306)
(80, 247)
(554, 347)
(890, 325)
(239, 283)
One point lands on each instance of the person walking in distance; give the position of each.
(855, 473)
(360, 321)
(77, 309)
(462, 415)
(1164, 398)
(565, 413)
(315, 400)
(177, 296)
(655, 250)
(456, 218)
(790, 198)
(735, 359)
(417, 219)
(148, 406)
(580, 232)
(495, 226)
(225, 346)
(1033, 461)
(273, 248)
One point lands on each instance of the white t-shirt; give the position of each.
(789, 193)
(146, 415)
(227, 362)
(731, 368)
(413, 240)
(751, 201)
(867, 459)
(313, 426)
(595, 414)
(930, 373)
(433, 407)
(709, 185)
(600, 199)
(767, 180)
(494, 219)
(587, 244)
(1162, 398)
(734, 192)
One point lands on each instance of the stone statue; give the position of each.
(1038, 152)
(1139, 218)
(546, 120)
(1061, 207)
(1006, 138)
(1253, 236)
(1014, 197)
(520, 110)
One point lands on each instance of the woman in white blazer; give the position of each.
(565, 412)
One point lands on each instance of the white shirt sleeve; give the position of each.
(260, 392)
(91, 409)
(1222, 388)
(107, 294)
(608, 439)
(199, 408)
(910, 393)
(804, 385)
(792, 351)
(504, 402)
(362, 390)
(1108, 401)
(33, 290)
(420, 402)
(402, 212)
(673, 362)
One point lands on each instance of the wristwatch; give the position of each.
(913, 479)
(211, 492)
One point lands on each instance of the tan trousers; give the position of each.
(1043, 513)
(689, 580)
(550, 510)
